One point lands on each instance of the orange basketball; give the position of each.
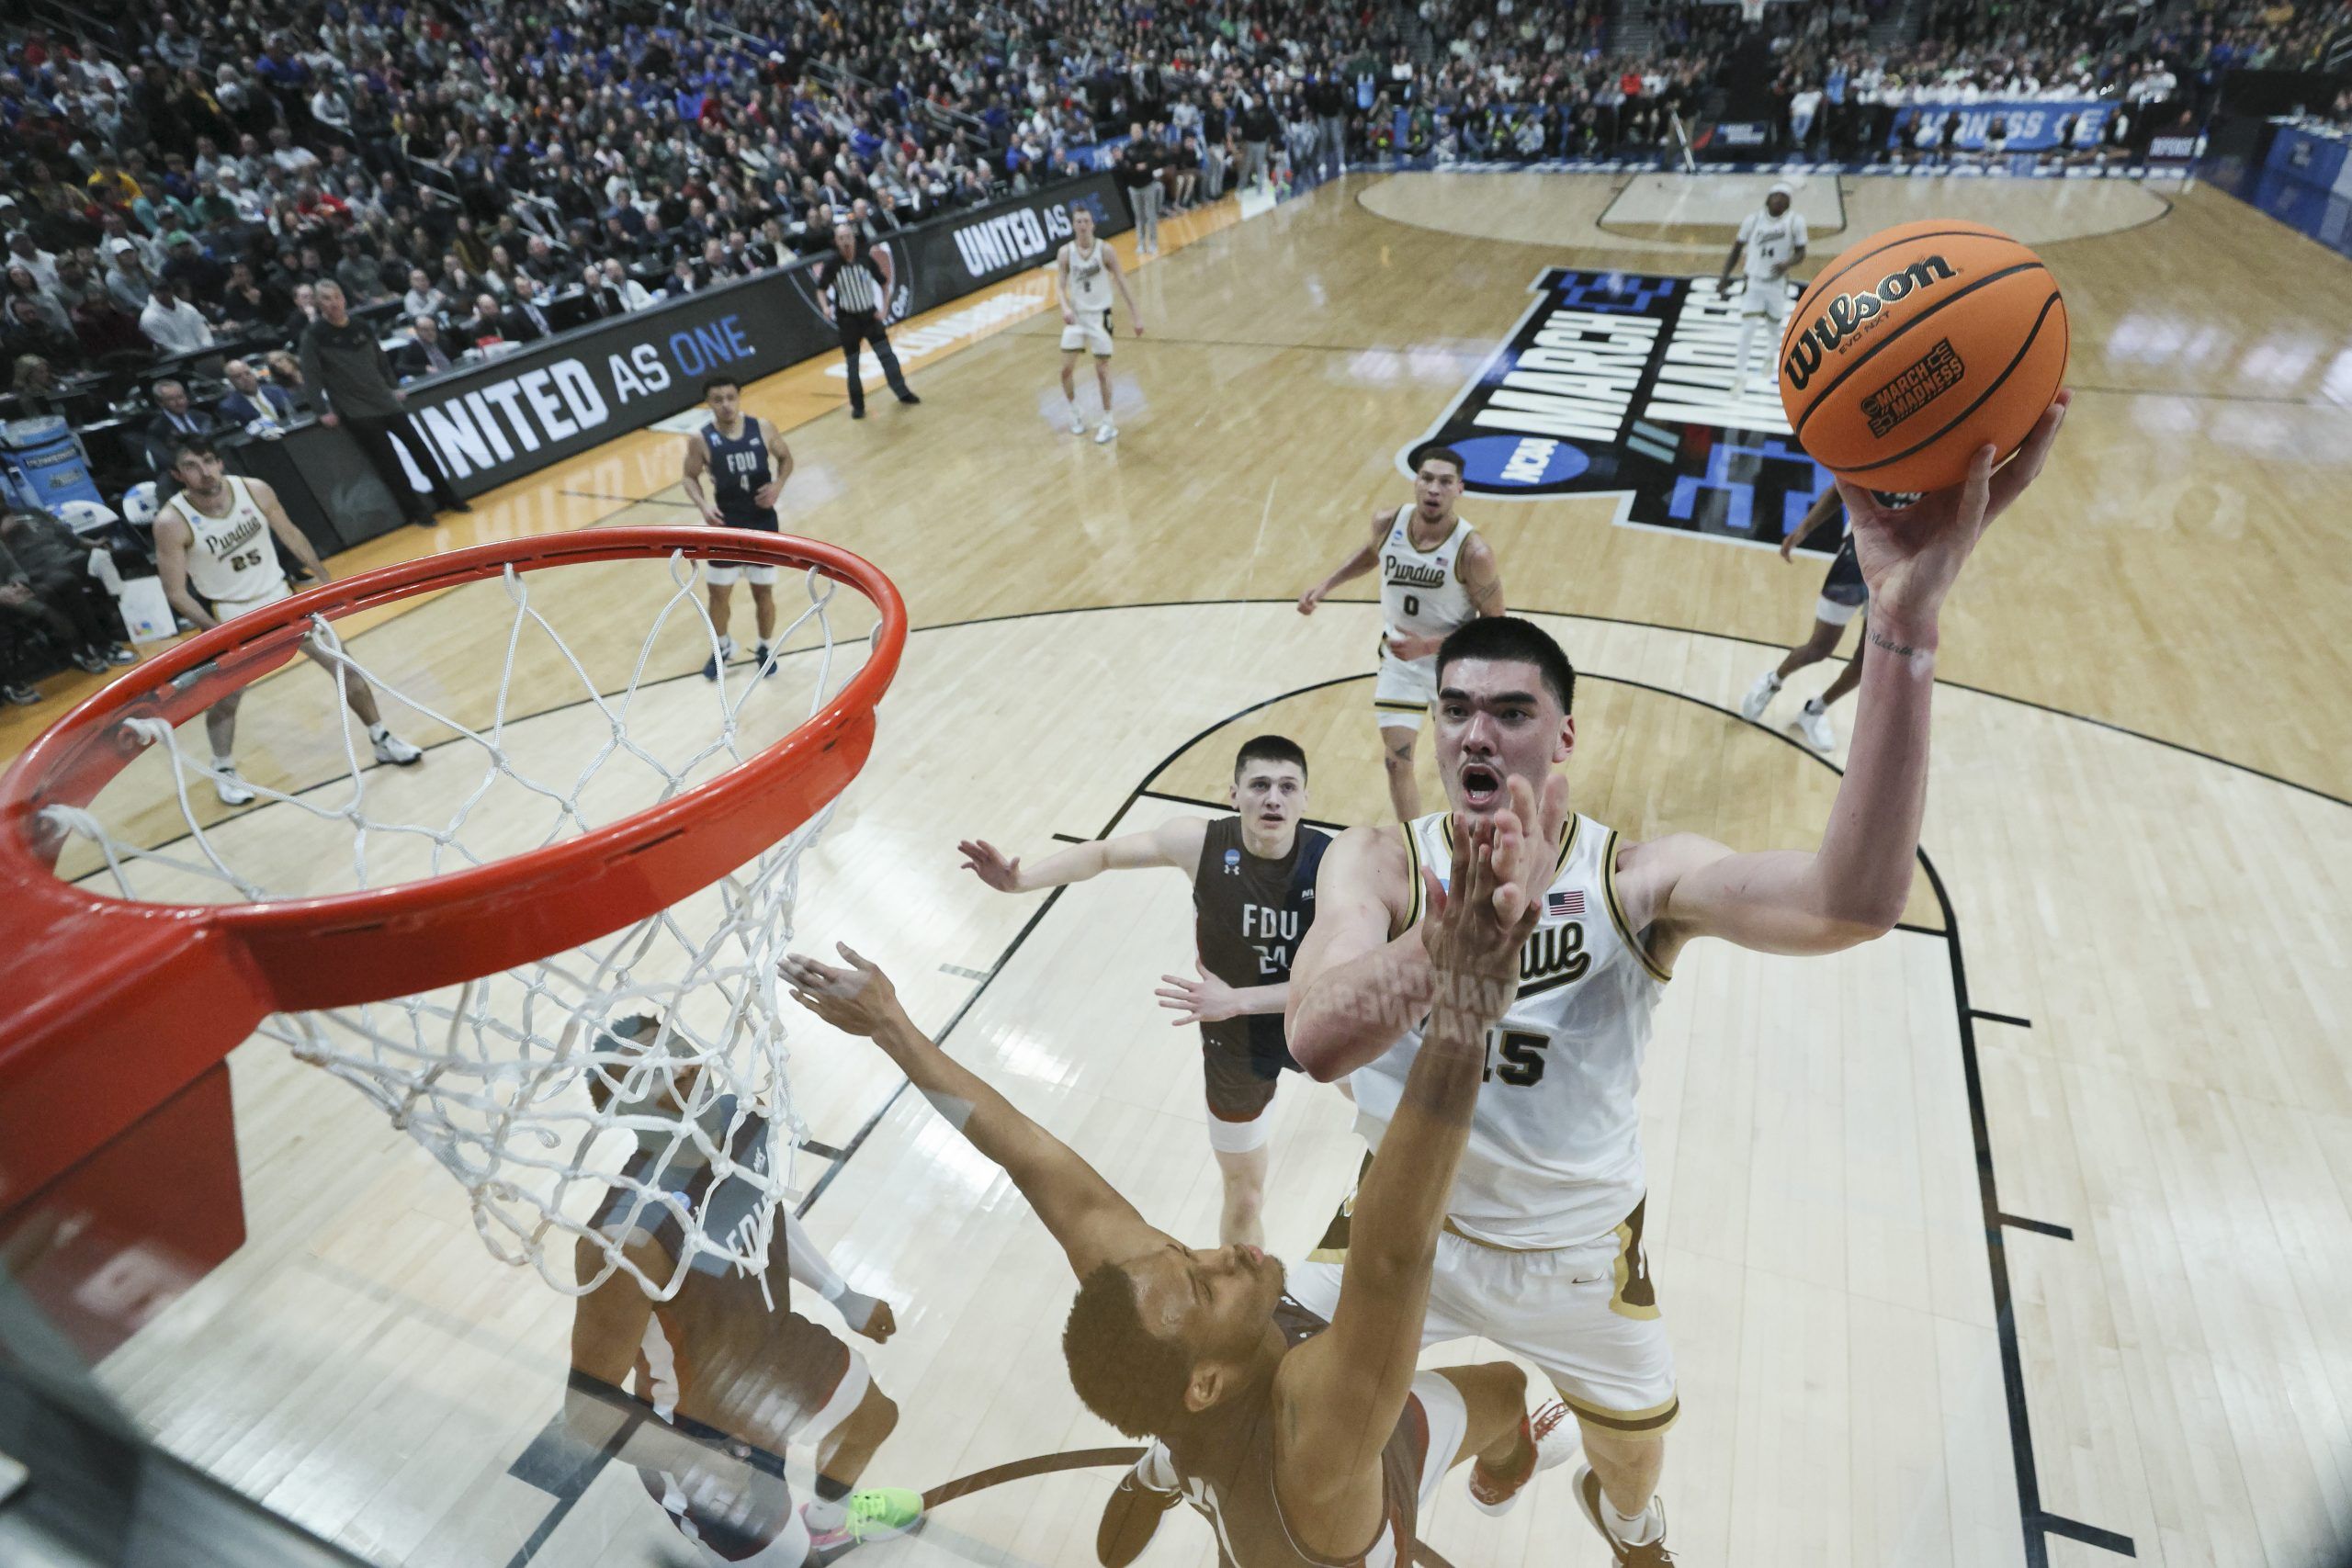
(1917, 346)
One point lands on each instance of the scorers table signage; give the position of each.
(1619, 384)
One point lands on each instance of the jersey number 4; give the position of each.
(1522, 1056)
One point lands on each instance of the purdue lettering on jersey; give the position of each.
(1421, 592)
(1090, 280)
(1555, 1156)
(234, 558)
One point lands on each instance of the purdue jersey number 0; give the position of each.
(1555, 1156)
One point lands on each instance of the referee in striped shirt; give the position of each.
(854, 287)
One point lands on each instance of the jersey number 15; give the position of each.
(1522, 1056)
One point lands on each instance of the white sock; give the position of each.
(1772, 679)
(380, 731)
(1812, 705)
(1639, 1530)
(1156, 1470)
(223, 764)
(1747, 326)
(825, 1516)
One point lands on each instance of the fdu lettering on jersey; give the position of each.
(1619, 384)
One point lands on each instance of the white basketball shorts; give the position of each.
(1402, 691)
(230, 609)
(725, 574)
(1766, 297)
(1586, 1316)
(1091, 333)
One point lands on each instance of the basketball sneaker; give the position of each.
(1077, 423)
(874, 1513)
(1649, 1553)
(1812, 723)
(390, 747)
(1129, 1520)
(23, 696)
(726, 651)
(121, 653)
(759, 658)
(228, 786)
(1759, 696)
(1551, 1440)
(1105, 434)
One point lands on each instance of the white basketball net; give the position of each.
(494, 1077)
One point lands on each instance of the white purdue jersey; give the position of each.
(1555, 1156)
(233, 558)
(1771, 242)
(1421, 592)
(1090, 280)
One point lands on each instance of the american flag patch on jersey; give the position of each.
(1567, 906)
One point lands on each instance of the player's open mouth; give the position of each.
(1481, 785)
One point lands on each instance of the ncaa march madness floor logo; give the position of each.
(1619, 383)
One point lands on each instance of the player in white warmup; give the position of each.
(216, 549)
(1770, 241)
(1543, 1251)
(1435, 573)
(1089, 270)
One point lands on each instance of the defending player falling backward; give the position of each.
(1542, 1252)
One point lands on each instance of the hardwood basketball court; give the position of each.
(2008, 1238)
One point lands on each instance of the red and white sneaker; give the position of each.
(1551, 1439)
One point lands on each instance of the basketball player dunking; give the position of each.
(728, 1379)
(1435, 573)
(1253, 897)
(1309, 1441)
(748, 464)
(1089, 271)
(1770, 242)
(1543, 1246)
(216, 550)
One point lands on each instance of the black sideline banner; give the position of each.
(496, 421)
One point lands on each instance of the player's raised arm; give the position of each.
(1362, 976)
(1362, 560)
(1340, 1394)
(697, 464)
(1093, 1224)
(1175, 844)
(1854, 887)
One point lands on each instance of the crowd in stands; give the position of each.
(478, 172)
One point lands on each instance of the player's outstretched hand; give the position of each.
(1910, 555)
(1309, 600)
(984, 860)
(1206, 999)
(1474, 930)
(859, 999)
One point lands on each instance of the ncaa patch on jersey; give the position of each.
(1620, 384)
(1233, 863)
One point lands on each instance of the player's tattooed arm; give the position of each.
(1093, 1224)
(1857, 884)
(1175, 844)
(1482, 575)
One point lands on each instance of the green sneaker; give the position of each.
(877, 1512)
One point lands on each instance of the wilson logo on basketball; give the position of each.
(1848, 316)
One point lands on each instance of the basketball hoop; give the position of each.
(473, 999)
